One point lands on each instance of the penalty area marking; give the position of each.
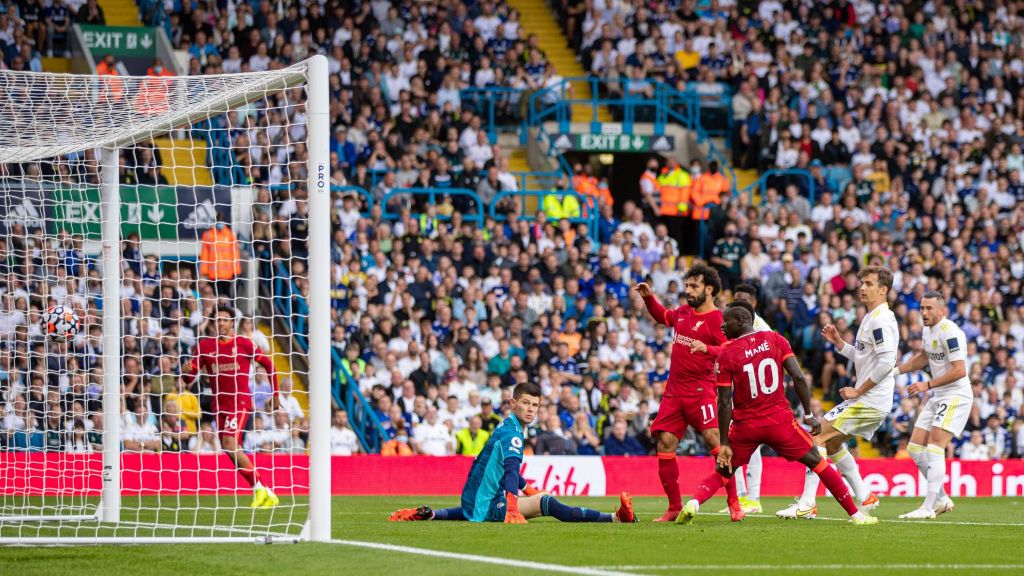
(525, 564)
(788, 567)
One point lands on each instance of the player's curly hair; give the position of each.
(708, 275)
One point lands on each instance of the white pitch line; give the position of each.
(818, 566)
(888, 520)
(526, 564)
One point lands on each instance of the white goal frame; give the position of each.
(314, 74)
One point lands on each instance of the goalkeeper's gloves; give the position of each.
(512, 515)
(529, 490)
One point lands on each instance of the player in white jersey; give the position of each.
(866, 406)
(748, 485)
(946, 412)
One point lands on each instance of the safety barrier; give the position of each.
(762, 183)
(589, 214)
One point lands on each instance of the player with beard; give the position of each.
(690, 397)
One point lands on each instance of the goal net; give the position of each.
(150, 230)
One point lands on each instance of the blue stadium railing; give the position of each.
(289, 304)
(345, 392)
(787, 175)
(589, 214)
(666, 105)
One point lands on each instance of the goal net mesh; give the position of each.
(211, 173)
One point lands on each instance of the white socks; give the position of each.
(851, 472)
(811, 482)
(936, 474)
(922, 457)
(739, 477)
(754, 476)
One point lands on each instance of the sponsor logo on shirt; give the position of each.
(879, 335)
(225, 367)
(953, 344)
(683, 340)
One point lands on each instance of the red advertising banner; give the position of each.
(35, 473)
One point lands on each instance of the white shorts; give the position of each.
(853, 418)
(950, 414)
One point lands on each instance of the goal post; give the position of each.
(145, 205)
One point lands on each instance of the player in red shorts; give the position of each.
(226, 361)
(759, 412)
(689, 397)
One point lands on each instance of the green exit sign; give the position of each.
(121, 41)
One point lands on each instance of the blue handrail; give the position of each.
(668, 103)
(486, 102)
(762, 182)
(589, 214)
(290, 303)
(432, 194)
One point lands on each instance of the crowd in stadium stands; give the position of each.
(908, 116)
(32, 29)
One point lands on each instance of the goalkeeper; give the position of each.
(491, 491)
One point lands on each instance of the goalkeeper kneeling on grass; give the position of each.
(491, 491)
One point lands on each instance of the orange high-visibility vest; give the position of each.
(219, 258)
(706, 191)
(653, 180)
(152, 95)
(675, 193)
(112, 87)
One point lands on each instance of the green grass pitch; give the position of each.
(982, 536)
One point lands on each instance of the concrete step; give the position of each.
(184, 162)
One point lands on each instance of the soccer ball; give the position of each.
(60, 323)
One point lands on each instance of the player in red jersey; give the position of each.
(759, 412)
(689, 398)
(226, 361)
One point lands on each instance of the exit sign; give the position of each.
(614, 143)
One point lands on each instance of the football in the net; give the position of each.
(60, 323)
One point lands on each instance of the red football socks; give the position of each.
(668, 472)
(834, 482)
(250, 475)
(708, 486)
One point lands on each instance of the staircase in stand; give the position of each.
(535, 17)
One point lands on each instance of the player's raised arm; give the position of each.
(886, 348)
(831, 333)
(654, 307)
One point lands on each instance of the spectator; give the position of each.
(554, 441)
(621, 443)
(343, 439)
(471, 441)
(433, 438)
(219, 258)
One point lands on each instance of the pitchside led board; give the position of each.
(134, 46)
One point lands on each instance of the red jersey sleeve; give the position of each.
(724, 368)
(659, 313)
(196, 362)
(263, 360)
